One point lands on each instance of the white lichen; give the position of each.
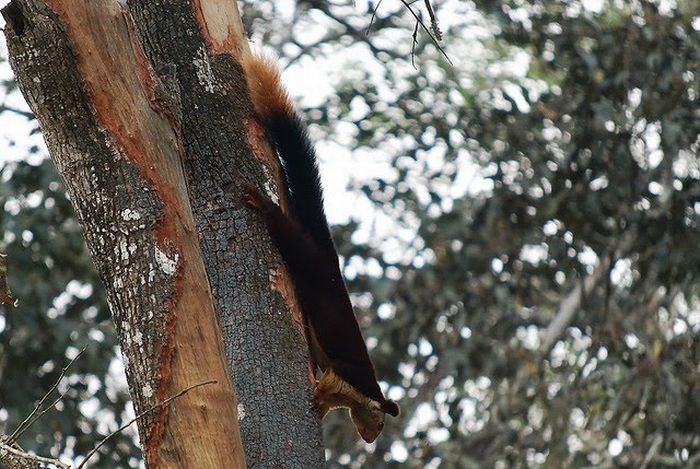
(125, 328)
(241, 411)
(166, 264)
(147, 391)
(130, 215)
(123, 249)
(204, 73)
(269, 187)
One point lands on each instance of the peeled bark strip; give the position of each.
(146, 114)
(120, 159)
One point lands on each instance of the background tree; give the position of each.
(522, 242)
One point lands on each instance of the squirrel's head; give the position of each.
(368, 417)
(332, 392)
(369, 421)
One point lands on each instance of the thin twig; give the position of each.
(304, 49)
(430, 34)
(27, 114)
(374, 14)
(42, 413)
(414, 43)
(24, 425)
(569, 306)
(431, 13)
(654, 448)
(433, 20)
(571, 303)
(352, 32)
(130, 422)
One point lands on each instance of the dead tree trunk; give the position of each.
(145, 112)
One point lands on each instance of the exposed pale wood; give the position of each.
(221, 25)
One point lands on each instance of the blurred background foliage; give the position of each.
(521, 246)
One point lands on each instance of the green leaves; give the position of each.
(60, 309)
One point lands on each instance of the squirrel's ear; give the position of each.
(391, 408)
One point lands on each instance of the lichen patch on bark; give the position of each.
(262, 150)
(122, 103)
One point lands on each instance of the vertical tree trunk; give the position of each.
(146, 115)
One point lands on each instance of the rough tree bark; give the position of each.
(145, 112)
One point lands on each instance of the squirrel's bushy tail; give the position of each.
(277, 113)
(270, 99)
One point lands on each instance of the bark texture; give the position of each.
(145, 112)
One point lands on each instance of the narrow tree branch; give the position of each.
(352, 31)
(28, 421)
(374, 15)
(655, 445)
(13, 458)
(419, 21)
(41, 414)
(433, 20)
(570, 305)
(27, 114)
(5, 295)
(304, 49)
(414, 43)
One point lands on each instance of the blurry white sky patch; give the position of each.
(15, 129)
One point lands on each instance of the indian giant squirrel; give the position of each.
(304, 241)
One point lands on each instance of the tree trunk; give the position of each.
(145, 112)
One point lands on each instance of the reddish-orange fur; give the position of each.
(269, 97)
